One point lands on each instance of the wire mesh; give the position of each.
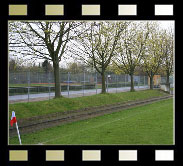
(36, 85)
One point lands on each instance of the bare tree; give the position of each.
(130, 49)
(168, 44)
(153, 54)
(42, 40)
(96, 46)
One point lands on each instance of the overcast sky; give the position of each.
(164, 24)
(167, 24)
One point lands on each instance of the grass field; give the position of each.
(99, 85)
(150, 124)
(26, 85)
(30, 109)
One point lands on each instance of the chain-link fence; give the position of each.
(164, 80)
(36, 85)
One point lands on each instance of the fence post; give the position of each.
(84, 83)
(28, 79)
(96, 83)
(68, 79)
(107, 83)
(125, 80)
(49, 83)
(116, 83)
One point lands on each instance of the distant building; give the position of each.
(156, 80)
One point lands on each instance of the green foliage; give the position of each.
(75, 68)
(47, 66)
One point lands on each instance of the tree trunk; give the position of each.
(167, 77)
(132, 83)
(103, 83)
(57, 80)
(151, 82)
(168, 81)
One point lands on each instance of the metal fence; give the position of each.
(34, 85)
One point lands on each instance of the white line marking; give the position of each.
(99, 125)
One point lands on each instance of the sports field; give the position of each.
(151, 124)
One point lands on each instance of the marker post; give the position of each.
(18, 134)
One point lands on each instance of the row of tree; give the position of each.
(16, 65)
(126, 45)
(122, 45)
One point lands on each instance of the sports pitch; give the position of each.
(151, 124)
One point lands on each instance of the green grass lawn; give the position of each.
(150, 124)
(53, 84)
(41, 84)
(26, 85)
(31, 109)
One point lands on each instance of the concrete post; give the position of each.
(125, 80)
(28, 79)
(96, 83)
(49, 84)
(84, 84)
(68, 83)
(116, 83)
(107, 83)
